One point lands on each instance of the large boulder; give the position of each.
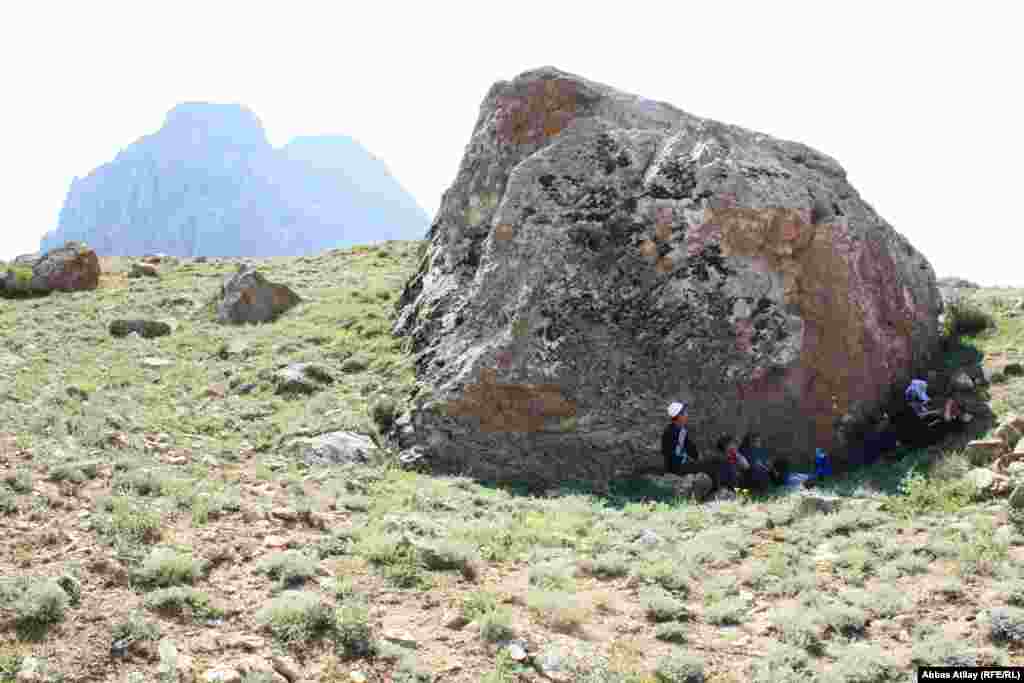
(600, 255)
(247, 297)
(71, 268)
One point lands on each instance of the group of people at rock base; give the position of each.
(746, 464)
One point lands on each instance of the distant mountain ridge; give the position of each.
(208, 183)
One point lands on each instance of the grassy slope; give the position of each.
(156, 482)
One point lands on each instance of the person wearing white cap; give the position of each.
(677, 444)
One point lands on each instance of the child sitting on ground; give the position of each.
(736, 466)
(763, 470)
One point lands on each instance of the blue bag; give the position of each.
(822, 465)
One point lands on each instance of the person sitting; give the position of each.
(735, 468)
(679, 448)
(763, 470)
(922, 424)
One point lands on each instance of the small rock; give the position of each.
(286, 667)
(357, 677)
(648, 538)
(517, 652)
(143, 270)
(400, 638)
(223, 676)
(275, 542)
(454, 620)
(284, 514)
(156, 363)
(243, 642)
(809, 505)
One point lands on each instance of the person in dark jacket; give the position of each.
(764, 471)
(679, 448)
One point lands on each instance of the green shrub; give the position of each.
(800, 627)
(846, 620)
(782, 664)
(496, 625)
(661, 606)
(559, 610)
(290, 568)
(42, 603)
(169, 567)
(296, 616)
(133, 628)
(680, 667)
(384, 412)
(607, 565)
(555, 575)
(352, 634)
(446, 554)
(671, 575)
(672, 632)
(20, 481)
(8, 503)
(1015, 593)
(937, 650)
(726, 611)
(478, 603)
(176, 599)
(862, 663)
(965, 318)
(129, 521)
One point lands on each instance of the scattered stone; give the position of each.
(648, 538)
(400, 638)
(156, 363)
(223, 676)
(287, 668)
(690, 486)
(248, 297)
(517, 652)
(814, 504)
(554, 664)
(243, 642)
(984, 451)
(275, 542)
(143, 270)
(284, 514)
(302, 378)
(333, 448)
(454, 620)
(236, 348)
(147, 329)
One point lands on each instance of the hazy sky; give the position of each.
(920, 104)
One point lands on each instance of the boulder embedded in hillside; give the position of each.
(143, 270)
(600, 255)
(71, 268)
(147, 329)
(333, 448)
(302, 378)
(248, 297)
(983, 451)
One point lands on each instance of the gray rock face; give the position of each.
(248, 297)
(600, 255)
(208, 182)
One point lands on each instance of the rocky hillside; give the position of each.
(197, 501)
(208, 183)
